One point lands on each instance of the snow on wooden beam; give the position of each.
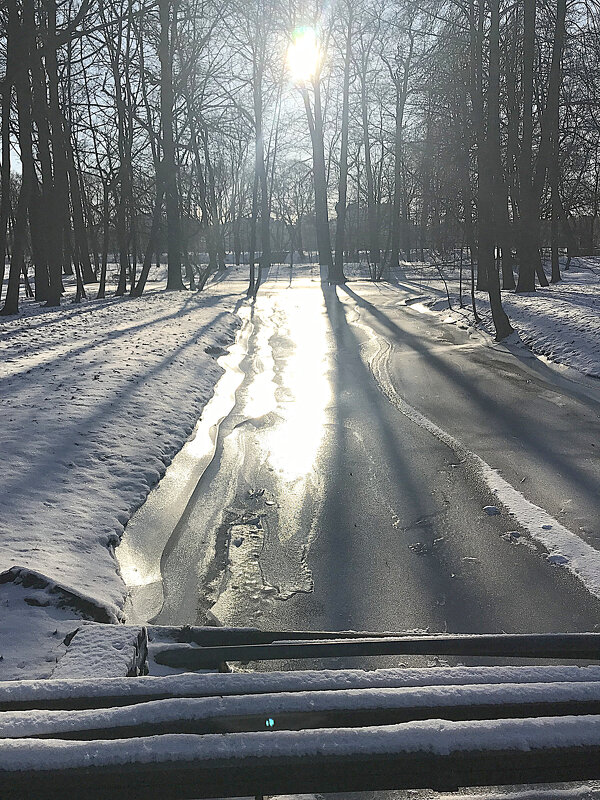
(434, 754)
(90, 693)
(304, 710)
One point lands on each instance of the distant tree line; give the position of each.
(135, 127)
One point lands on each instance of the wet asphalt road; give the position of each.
(326, 508)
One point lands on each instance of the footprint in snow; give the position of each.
(491, 511)
(557, 559)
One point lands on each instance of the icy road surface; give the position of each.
(348, 486)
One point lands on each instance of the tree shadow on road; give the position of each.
(367, 576)
(504, 418)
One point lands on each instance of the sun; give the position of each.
(304, 54)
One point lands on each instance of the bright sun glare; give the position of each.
(303, 54)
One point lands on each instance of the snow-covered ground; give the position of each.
(96, 399)
(561, 322)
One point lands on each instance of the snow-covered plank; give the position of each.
(434, 753)
(350, 708)
(89, 693)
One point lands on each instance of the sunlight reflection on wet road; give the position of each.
(242, 541)
(283, 407)
(294, 444)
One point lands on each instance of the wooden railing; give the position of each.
(241, 734)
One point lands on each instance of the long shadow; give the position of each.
(402, 282)
(349, 565)
(569, 305)
(347, 557)
(562, 292)
(98, 414)
(505, 419)
(22, 383)
(346, 600)
(115, 334)
(55, 314)
(64, 318)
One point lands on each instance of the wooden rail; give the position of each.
(309, 761)
(549, 645)
(232, 735)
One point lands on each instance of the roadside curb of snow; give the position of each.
(147, 526)
(65, 597)
(37, 580)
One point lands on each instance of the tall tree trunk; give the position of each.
(174, 279)
(203, 196)
(476, 25)
(315, 124)
(79, 226)
(373, 235)
(152, 240)
(528, 245)
(337, 273)
(121, 232)
(17, 42)
(261, 175)
(105, 237)
(30, 195)
(252, 287)
(11, 301)
(466, 192)
(217, 229)
(555, 211)
(494, 184)
(505, 237)
(552, 112)
(45, 222)
(5, 177)
(401, 89)
(58, 216)
(424, 237)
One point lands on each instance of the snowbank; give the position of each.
(561, 322)
(96, 399)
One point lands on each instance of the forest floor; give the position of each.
(96, 399)
(560, 323)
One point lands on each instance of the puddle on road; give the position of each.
(183, 552)
(147, 533)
